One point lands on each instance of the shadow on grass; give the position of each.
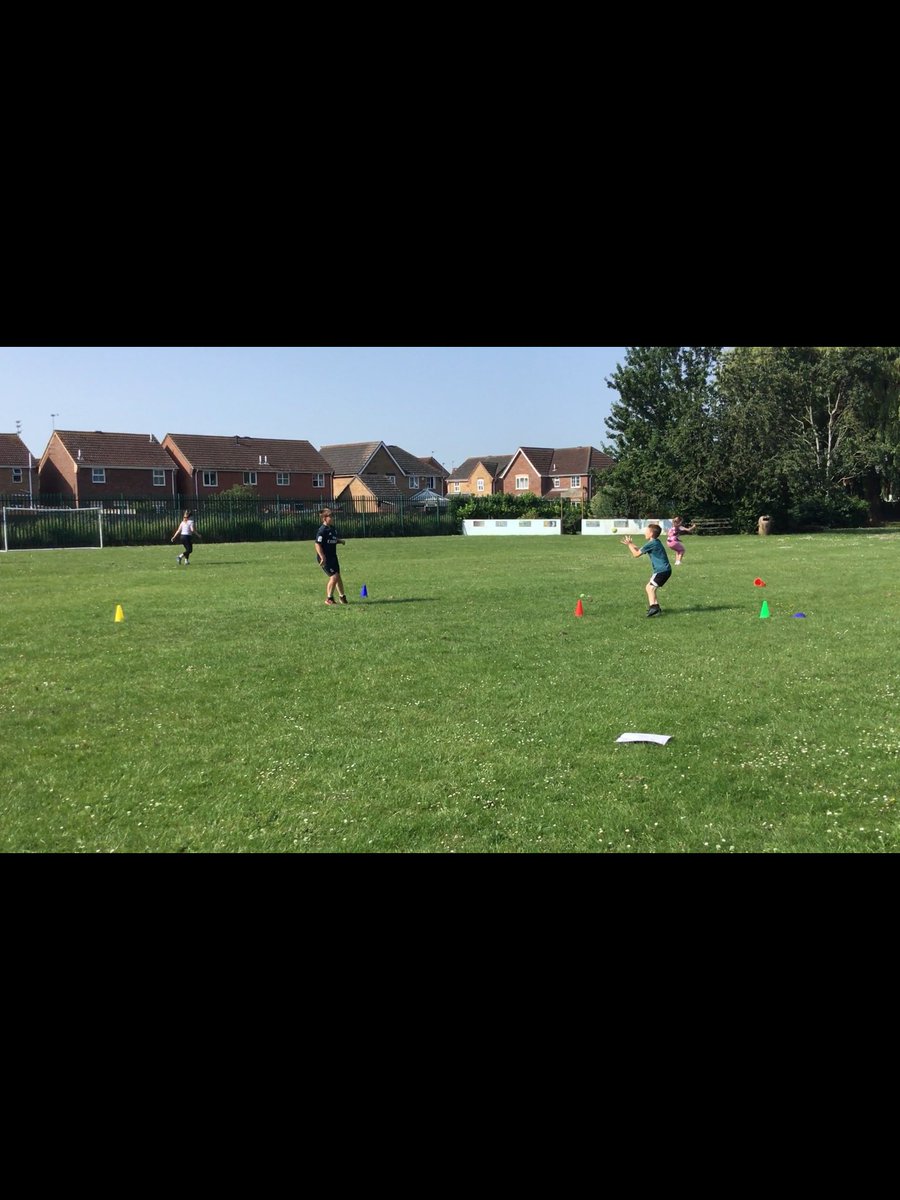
(673, 612)
(364, 602)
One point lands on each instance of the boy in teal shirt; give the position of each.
(659, 561)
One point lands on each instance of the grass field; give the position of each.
(462, 707)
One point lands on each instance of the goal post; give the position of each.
(52, 528)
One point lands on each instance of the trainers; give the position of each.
(654, 611)
(343, 599)
(328, 600)
(178, 559)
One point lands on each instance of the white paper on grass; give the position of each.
(659, 738)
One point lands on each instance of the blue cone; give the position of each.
(363, 592)
(799, 614)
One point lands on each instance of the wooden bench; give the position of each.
(710, 525)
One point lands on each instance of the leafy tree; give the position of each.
(662, 432)
(805, 429)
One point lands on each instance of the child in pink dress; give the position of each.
(673, 536)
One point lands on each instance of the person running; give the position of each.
(659, 561)
(673, 538)
(187, 533)
(327, 542)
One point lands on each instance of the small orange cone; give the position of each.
(120, 616)
(579, 609)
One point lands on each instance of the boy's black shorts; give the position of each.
(330, 568)
(661, 578)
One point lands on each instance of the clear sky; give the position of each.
(450, 401)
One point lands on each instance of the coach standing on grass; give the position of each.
(327, 542)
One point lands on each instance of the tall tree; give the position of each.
(805, 425)
(662, 429)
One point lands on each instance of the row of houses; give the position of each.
(84, 467)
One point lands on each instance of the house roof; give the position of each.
(14, 452)
(350, 458)
(409, 464)
(437, 469)
(568, 460)
(494, 464)
(139, 451)
(381, 487)
(203, 452)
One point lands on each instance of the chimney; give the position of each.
(79, 454)
(260, 460)
(266, 459)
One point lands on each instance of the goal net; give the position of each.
(52, 529)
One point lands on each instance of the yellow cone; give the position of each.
(120, 616)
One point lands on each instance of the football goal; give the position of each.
(52, 529)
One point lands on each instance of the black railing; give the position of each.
(124, 521)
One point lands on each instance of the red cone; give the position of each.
(579, 609)
(758, 583)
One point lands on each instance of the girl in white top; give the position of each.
(187, 533)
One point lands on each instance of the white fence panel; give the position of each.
(607, 527)
(537, 526)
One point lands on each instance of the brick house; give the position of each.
(388, 474)
(86, 467)
(18, 470)
(478, 476)
(277, 469)
(554, 473)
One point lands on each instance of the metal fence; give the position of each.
(52, 522)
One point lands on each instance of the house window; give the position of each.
(318, 481)
(456, 487)
(282, 478)
(521, 483)
(479, 484)
(430, 482)
(556, 481)
(159, 478)
(98, 474)
(392, 478)
(414, 483)
(210, 478)
(576, 481)
(250, 478)
(17, 475)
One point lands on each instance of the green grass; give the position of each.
(461, 708)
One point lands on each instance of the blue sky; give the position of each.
(452, 401)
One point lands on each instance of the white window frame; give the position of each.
(557, 482)
(456, 488)
(159, 477)
(392, 479)
(431, 482)
(479, 484)
(98, 474)
(575, 481)
(282, 478)
(413, 483)
(319, 480)
(249, 479)
(17, 474)
(210, 479)
(521, 483)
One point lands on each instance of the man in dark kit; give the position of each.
(327, 542)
